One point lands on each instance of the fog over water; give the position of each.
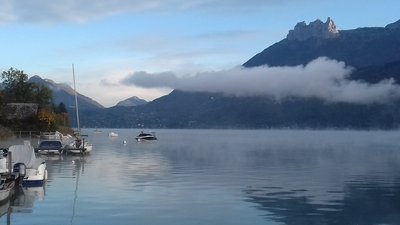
(223, 177)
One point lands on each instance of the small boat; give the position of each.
(50, 147)
(24, 165)
(96, 131)
(112, 134)
(6, 189)
(146, 137)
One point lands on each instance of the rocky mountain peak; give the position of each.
(316, 29)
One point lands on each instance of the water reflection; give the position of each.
(224, 177)
(25, 197)
(22, 201)
(79, 168)
(365, 201)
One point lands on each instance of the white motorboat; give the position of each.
(146, 137)
(22, 163)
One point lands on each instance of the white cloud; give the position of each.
(321, 78)
(50, 11)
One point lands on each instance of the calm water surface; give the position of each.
(220, 177)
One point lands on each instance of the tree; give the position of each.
(16, 86)
(47, 119)
(42, 95)
(61, 108)
(18, 89)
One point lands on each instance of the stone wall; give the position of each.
(20, 110)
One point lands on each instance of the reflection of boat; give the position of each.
(143, 137)
(5, 208)
(112, 134)
(50, 147)
(25, 165)
(24, 198)
(79, 168)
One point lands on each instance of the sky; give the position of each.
(146, 48)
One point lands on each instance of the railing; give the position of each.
(27, 134)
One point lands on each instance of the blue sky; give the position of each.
(110, 40)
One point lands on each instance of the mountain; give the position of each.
(360, 47)
(205, 110)
(132, 101)
(375, 74)
(65, 94)
(373, 52)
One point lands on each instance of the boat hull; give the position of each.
(35, 177)
(146, 137)
(49, 151)
(6, 191)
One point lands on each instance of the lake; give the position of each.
(219, 177)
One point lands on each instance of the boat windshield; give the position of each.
(50, 144)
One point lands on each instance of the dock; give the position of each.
(64, 150)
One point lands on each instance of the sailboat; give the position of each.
(80, 145)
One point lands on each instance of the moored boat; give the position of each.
(146, 137)
(50, 147)
(22, 163)
(79, 146)
(112, 134)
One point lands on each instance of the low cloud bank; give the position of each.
(321, 78)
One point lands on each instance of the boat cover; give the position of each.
(23, 154)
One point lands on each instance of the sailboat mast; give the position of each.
(76, 101)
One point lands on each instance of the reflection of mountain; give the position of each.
(365, 201)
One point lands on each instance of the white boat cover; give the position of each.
(23, 154)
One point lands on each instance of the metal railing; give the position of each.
(27, 134)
